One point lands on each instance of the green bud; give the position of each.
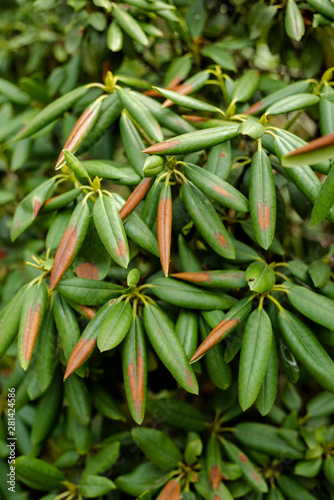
(133, 277)
(154, 165)
(260, 277)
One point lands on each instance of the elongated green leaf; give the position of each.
(46, 350)
(78, 397)
(265, 438)
(70, 243)
(29, 207)
(220, 160)
(207, 220)
(60, 201)
(135, 370)
(115, 326)
(111, 231)
(33, 309)
(219, 371)
(307, 349)
(214, 279)
(215, 188)
(320, 273)
(165, 117)
(220, 56)
(195, 141)
(133, 143)
(140, 114)
(326, 110)
(262, 199)
(186, 329)
(52, 112)
(292, 103)
(254, 357)
(325, 199)
(87, 291)
(115, 37)
(10, 319)
(105, 404)
(248, 469)
(275, 494)
(314, 306)
(325, 7)
(144, 477)
(129, 25)
(87, 341)
(185, 101)
(168, 347)
(159, 448)
(294, 22)
(93, 486)
(47, 414)
(13, 93)
(292, 489)
(178, 413)
(187, 295)
(268, 390)
(38, 474)
(290, 90)
(103, 460)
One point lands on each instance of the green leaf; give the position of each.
(316, 307)
(326, 110)
(133, 143)
(115, 326)
(308, 468)
(186, 328)
(78, 398)
(13, 93)
(144, 477)
(254, 357)
(307, 349)
(289, 90)
(292, 489)
(328, 468)
(52, 112)
(214, 279)
(220, 160)
(324, 200)
(103, 460)
(88, 292)
(193, 448)
(219, 371)
(140, 114)
(291, 398)
(178, 413)
(320, 273)
(129, 25)
(220, 56)
(294, 22)
(196, 17)
(162, 336)
(195, 141)
(190, 296)
(321, 405)
(293, 103)
(47, 414)
(114, 37)
(105, 404)
(158, 448)
(262, 199)
(251, 128)
(186, 101)
(260, 277)
(246, 86)
(10, 319)
(75, 165)
(111, 231)
(57, 229)
(248, 469)
(46, 350)
(266, 439)
(215, 188)
(29, 207)
(33, 309)
(268, 390)
(71, 242)
(94, 486)
(207, 220)
(134, 360)
(275, 494)
(38, 474)
(325, 7)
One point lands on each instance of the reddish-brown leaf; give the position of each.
(171, 86)
(161, 146)
(64, 255)
(195, 119)
(137, 382)
(79, 355)
(198, 277)
(171, 491)
(164, 230)
(87, 270)
(215, 476)
(214, 337)
(135, 197)
(254, 108)
(321, 142)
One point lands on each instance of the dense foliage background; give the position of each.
(222, 254)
